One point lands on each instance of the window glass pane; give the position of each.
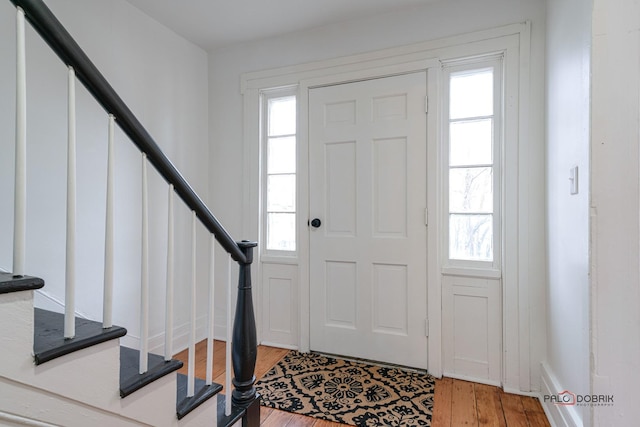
(471, 142)
(471, 94)
(471, 237)
(471, 190)
(279, 173)
(282, 116)
(281, 193)
(281, 231)
(281, 155)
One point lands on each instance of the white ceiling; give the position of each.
(213, 24)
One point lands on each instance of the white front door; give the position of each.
(368, 189)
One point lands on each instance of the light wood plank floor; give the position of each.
(456, 403)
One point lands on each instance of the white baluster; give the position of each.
(144, 288)
(212, 292)
(20, 194)
(227, 377)
(168, 334)
(192, 333)
(107, 304)
(70, 269)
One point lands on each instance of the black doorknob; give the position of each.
(315, 222)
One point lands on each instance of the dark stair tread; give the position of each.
(16, 283)
(48, 336)
(130, 378)
(203, 392)
(237, 412)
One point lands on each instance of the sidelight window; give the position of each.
(473, 116)
(279, 195)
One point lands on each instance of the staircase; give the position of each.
(61, 369)
(47, 380)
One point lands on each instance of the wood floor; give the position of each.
(456, 403)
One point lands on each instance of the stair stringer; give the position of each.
(87, 380)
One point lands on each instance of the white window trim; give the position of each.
(514, 41)
(273, 255)
(495, 62)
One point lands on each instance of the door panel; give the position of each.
(472, 318)
(368, 186)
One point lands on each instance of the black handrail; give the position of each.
(61, 42)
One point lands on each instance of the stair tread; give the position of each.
(10, 283)
(237, 412)
(203, 392)
(49, 342)
(130, 378)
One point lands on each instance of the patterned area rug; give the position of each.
(348, 392)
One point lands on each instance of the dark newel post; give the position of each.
(245, 343)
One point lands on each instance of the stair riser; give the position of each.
(90, 375)
(203, 416)
(19, 401)
(16, 329)
(155, 404)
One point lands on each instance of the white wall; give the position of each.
(615, 209)
(568, 121)
(404, 27)
(399, 28)
(163, 78)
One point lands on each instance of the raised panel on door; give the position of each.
(390, 299)
(340, 186)
(367, 184)
(390, 182)
(341, 294)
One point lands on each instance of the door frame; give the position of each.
(514, 41)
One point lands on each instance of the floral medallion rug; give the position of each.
(348, 392)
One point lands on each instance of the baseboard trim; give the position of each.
(522, 393)
(558, 415)
(181, 336)
(55, 304)
(279, 345)
(472, 379)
